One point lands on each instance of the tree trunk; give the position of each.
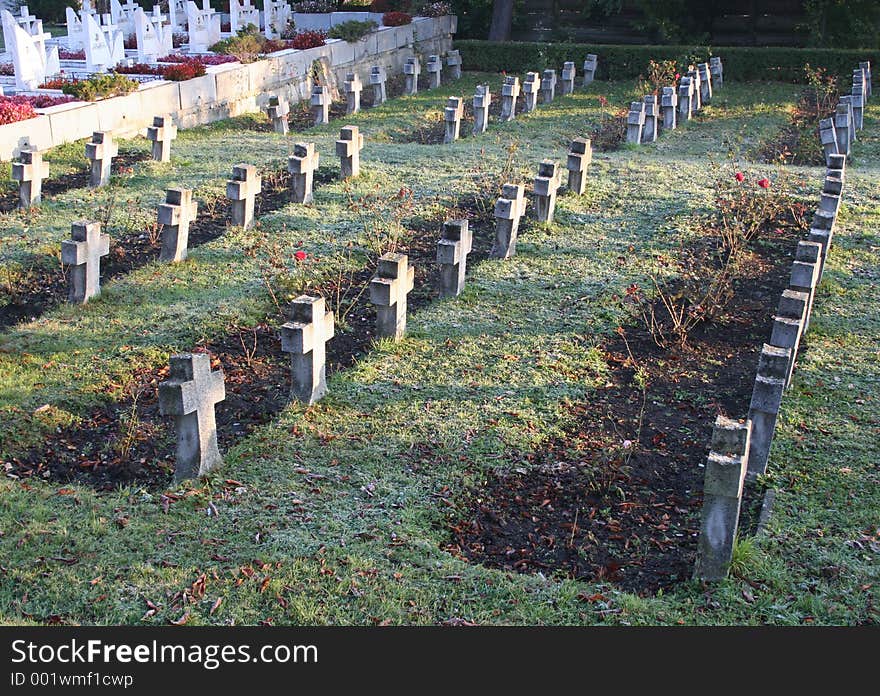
(502, 16)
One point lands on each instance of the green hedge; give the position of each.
(627, 62)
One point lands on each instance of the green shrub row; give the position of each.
(627, 62)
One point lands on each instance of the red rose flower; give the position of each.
(300, 255)
(740, 176)
(764, 183)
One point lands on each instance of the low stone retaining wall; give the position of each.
(231, 89)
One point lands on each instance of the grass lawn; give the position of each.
(340, 513)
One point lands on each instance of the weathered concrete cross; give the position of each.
(453, 62)
(580, 154)
(277, 110)
(764, 408)
(434, 67)
(452, 251)
(590, 64)
(378, 78)
(685, 99)
(669, 108)
(411, 70)
(29, 172)
(83, 252)
(302, 168)
(509, 208)
(348, 147)
(161, 133)
(101, 151)
(321, 104)
(393, 281)
(452, 116)
(242, 190)
(635, 123)
(569, 72)
(482, 100)
(190, 394)
(531, 86)
(509, 94)
(548, 86)
(650, 130)
(547, 183)
(175, 216)
(305, 337)
(352, 88)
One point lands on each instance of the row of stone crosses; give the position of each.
(741, 450)
(647, 117)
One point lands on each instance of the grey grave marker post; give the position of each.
(453, 62)
(764, 408)
(716, 68)
(669, 108)
(320, 104)
(305, 337)
(378, 78)
(482, 100)
(685, 99)
(568, 77)
(100, 151)
(277, 110)
(635, 122)
(393, 281)
(580, 154)
(546, 186)
(411, 70)
(190, 395)
(828, 138)
(348, 147)
(29, 172)
(83, 252)
(548, 86)
(175, 216)
(352, 88)
(805, 274)
(302, 166)
(788, 325)
(650, 129)
(161, 133)
(509, 209)
(434, 66)
(242, 191)
(590, 64)
(705, 83)
(509, 95)
(452, 250)
(531, 86)
(722, 495)
(452, 117)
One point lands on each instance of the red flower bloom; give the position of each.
(603, 101)
(740, 176)
(764, 183)
(677, 76)
(300, 255)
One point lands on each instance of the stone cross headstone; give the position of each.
(452, 250)
(411, 70)
(83, 252)
(531, 86)
(482, 100)
(858, 106)
(866, 67)
(378, 78)
(722, 495)
(805, 274)
(100, 151)
(548, 86)
(509, 209)
(434, 67)
(302, 167)
(453, 62)
(242, 191)
(29, 172)
(823, 219)
(348, 147)
(716, 69)
(546, 185)
(277, 109)
(276, 16)
(685, 99)
(175, 216)
(859, 87)
(788, 326)
(705, 83)
(828, 138)
(590, 64)
(352, 88)
(241, 14)
(842, 120)
(393, 281)
(650, 129)
(452, 117)
(635, 122)
(697, 103)
(764, 408)
(669, 108)
(568, 77)
(161, 133)
(305, 337)
(580, 154)
(509, 95)
(836, 167)
(190, 395)
(829, 202)
(321, 104)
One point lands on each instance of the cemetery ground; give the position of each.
(526, 455)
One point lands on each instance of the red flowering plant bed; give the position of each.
(21, 108)
(396, 19)
(71, 55)
(300, 41)
(138, 69)
(216, 59)
(183, 71)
